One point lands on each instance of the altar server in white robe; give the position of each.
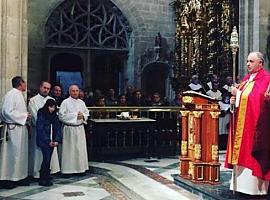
(14, 149)
(73, 113)
(35, 154)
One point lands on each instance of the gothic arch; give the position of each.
(87, 24)
(159, 73)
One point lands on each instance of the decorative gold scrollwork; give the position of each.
(198, 106)
(214, 115)
(215, 152)
(198, 114)
(183, 148)
(191, 169)
(188, 99)
(214, 107)
(198, 150)
(184, 113)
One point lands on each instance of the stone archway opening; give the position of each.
(159, 73)
(66, 69)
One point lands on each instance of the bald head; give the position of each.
(74, 91)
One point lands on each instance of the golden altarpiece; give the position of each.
(203, 29)
(199, 160)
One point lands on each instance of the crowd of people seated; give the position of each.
(216, 88)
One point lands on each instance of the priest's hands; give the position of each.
(234, 90)
(80, 116)
(232, 100)
(29, 115)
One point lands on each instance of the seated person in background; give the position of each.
(215, 92)
(101, 114)
(156, 100)
(137, 99)
(195, 85)
(129, 94)
(178, 98)
(213, 78)
(228, 85)
(82, 95)
(111, 99)
(122, 101)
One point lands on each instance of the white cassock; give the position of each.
(35, 154)
(247, 183)
(224, 121)
(217, 95)
(14, 152)
(74, 151)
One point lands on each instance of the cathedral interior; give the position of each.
(153, 46)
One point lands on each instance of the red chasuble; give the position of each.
(240, 143)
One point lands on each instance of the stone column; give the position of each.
(13, 42)
(249, 31)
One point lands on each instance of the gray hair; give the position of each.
(260, 56)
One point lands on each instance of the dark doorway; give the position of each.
(107, 72)
(67, 68)
(154, 78)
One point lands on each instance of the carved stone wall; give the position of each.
(146, 19)
(13, 42)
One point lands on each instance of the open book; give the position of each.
(192, 93)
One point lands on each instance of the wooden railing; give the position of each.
(165, 138)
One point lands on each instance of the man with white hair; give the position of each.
(35, 154)
(248, 99)
(73, 113)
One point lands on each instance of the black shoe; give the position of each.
(81, 174)
(45, 183)
(8, 185)
(23, 182)
(66, 175)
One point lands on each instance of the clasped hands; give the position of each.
(80, 116)
(53, 144)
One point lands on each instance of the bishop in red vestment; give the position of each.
(250, 95)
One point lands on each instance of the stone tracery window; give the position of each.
(87, 24)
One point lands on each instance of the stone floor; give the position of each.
(134, 179)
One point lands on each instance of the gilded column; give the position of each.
(197, 134)
(13, 42)
(184, 141)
